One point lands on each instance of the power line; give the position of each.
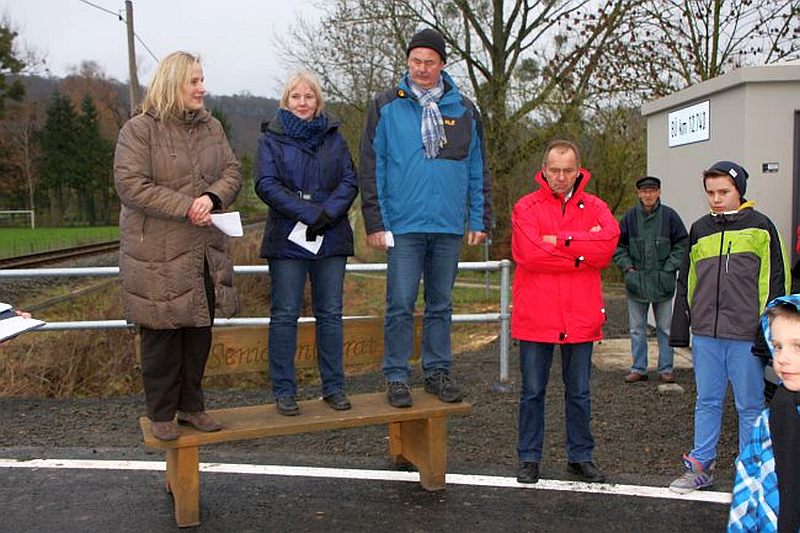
(121, 19)
(101, 8)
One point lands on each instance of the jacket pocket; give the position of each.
(459, 136)
(666, 282)
(633, 283)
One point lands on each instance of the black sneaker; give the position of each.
(442, 385)
(587, 472)
(287, 406)
(338, 401)
(528, 472)
(399, 394)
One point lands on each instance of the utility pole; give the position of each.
(133, 78)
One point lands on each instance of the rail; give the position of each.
(39, 258)
(503, 317)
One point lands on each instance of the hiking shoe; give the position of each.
(200, 420)
(338, 401)
(167, 430)
(586, 471)
(635, 377)
(442, 385)
(695, 477)
(528, 472)
(287, 406)
(399, 394)
(667, 377)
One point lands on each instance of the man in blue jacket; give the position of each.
(423, 178)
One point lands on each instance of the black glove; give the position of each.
(318, 227)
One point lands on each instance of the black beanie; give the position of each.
(428, 38)
(735, 171)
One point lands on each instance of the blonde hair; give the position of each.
(303, 76)
(562, 146)
(173, 73)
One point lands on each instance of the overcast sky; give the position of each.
(234, 37)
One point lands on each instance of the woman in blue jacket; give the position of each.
(306, 177)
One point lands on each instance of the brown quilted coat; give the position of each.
(159, 168)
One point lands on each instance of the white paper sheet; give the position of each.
(11, 327)
(228, 223)
(389, 236)
(298, 236)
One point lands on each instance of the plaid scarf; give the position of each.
(432, 129)
(309, 133)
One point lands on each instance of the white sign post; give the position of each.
(689, 125)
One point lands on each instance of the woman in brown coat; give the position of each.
(173, 167)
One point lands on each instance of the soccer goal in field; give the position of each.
(17, 217)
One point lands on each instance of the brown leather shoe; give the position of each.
(201, 421)
(667, 377)
(635, 377)
(167, 430)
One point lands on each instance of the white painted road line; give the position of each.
(612, 489)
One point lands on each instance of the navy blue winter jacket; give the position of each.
(299, 184)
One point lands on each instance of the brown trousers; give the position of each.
(173, 364)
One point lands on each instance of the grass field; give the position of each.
(23, 241)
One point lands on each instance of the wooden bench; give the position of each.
(417, 435)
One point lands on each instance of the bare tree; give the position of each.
(676, 43)
(17, 142)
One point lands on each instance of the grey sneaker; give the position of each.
(442, 385)
(399, 394)
(695, 477)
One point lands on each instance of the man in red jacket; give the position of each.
(562, 238)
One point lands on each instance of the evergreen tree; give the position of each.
(60, 167)
(9, 64)
(96, 159)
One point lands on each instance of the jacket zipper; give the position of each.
(719, 277)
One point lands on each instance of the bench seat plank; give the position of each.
(257, 421)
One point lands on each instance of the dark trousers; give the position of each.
(173, 364)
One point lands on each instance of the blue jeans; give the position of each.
(637, 323)
(288, 278)
(433, 256)
(535, 359)
(717, 361)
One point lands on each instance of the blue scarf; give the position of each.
(309, 133)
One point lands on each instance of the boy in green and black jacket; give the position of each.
(735, 264)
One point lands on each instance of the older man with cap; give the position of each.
(423, 178)
(734, 265)
(652, 243)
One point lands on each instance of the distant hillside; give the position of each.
(244, 112)
(245, 115)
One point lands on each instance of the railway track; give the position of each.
(52, 256)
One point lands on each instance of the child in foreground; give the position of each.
(766, 494)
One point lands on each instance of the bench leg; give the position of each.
(423, 443)
(183, 481)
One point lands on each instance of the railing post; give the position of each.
(505, 326)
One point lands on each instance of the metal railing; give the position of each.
(502, 317)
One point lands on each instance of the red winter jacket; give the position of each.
(558, 297)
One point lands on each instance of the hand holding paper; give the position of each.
(12, 323)
(298, 236)
(228, 223)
